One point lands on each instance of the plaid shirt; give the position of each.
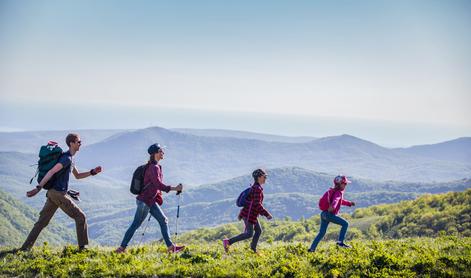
(153, 179)
(254, 206)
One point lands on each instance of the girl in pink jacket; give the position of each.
(330, 205)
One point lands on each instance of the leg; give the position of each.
(248, 233)
(140, 215)
(158, 214)
(342, 222)
(44, 217)
(322, 230)
(258, 232)
(67, 205)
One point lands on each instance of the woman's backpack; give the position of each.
(137, 182)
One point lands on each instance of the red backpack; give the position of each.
(325, 200)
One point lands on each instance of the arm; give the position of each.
(335, 200)
(347, 203)
(157, 181)
(46, 178)
(82, 175)
(257, 203)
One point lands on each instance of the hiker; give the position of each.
(330, 204)
(249, 213)
(58, 197)
(150, 200)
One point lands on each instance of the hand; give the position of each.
(97, 169)
(330, 209)
(270, 217)
(33, 192)
(179, 187)
(239, 217)
(353, 204)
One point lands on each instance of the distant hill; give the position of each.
(458, 150)
(195, 160)
(245, 135)
(17, 219)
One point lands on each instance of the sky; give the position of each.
(394, 72)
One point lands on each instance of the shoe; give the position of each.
(175, 248)
(82, 249)
(343, 245)
(310, 250)
(120, 250)
(225, 243)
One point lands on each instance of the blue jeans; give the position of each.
(141, 214)
(326, 218)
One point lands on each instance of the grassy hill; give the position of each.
(17, 219)
(413, 257)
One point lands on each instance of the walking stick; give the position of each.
(178, 214)
(145, 228)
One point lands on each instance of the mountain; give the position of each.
(458, 150)
(17, 220)
(31, 141)
(195, 160)
(245, 135)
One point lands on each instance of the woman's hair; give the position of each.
(152, 157)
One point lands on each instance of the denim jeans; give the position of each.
(326, 218)
(248, 233)
(141, 213)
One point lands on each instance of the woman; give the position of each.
(249, 213)
(150, 199)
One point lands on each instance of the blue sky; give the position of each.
(373, 69)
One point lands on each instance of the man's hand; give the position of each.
(33, 192)
(353, 204)
(95, 170)
(270, 217)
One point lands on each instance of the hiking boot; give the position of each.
(82, 249)
(343, 245)
(175, 248)
(120, 250)
(310, 250)
(225, 243)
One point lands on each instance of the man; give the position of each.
(57, 196)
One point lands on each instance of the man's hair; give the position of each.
(71, 137)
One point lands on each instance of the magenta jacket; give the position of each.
(153, 180)
(337, 200)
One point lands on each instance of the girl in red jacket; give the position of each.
(250, 212)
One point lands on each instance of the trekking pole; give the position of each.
(145, 228)
(178, 214)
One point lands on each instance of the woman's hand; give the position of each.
(330, 209)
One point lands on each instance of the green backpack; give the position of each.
(48, 157)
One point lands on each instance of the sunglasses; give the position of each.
(79, 142)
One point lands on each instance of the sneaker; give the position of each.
(225, 243)
(120, 250)
(175, 248)
(343, 245)
(310, 250)
(82, 249)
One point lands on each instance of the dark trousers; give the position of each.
(248, 233)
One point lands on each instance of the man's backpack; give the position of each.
(243, 196)
(137, 182)
(48, 157)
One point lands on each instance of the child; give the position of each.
(250, 213)
(330, 205)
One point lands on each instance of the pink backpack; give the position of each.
(325, 200)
